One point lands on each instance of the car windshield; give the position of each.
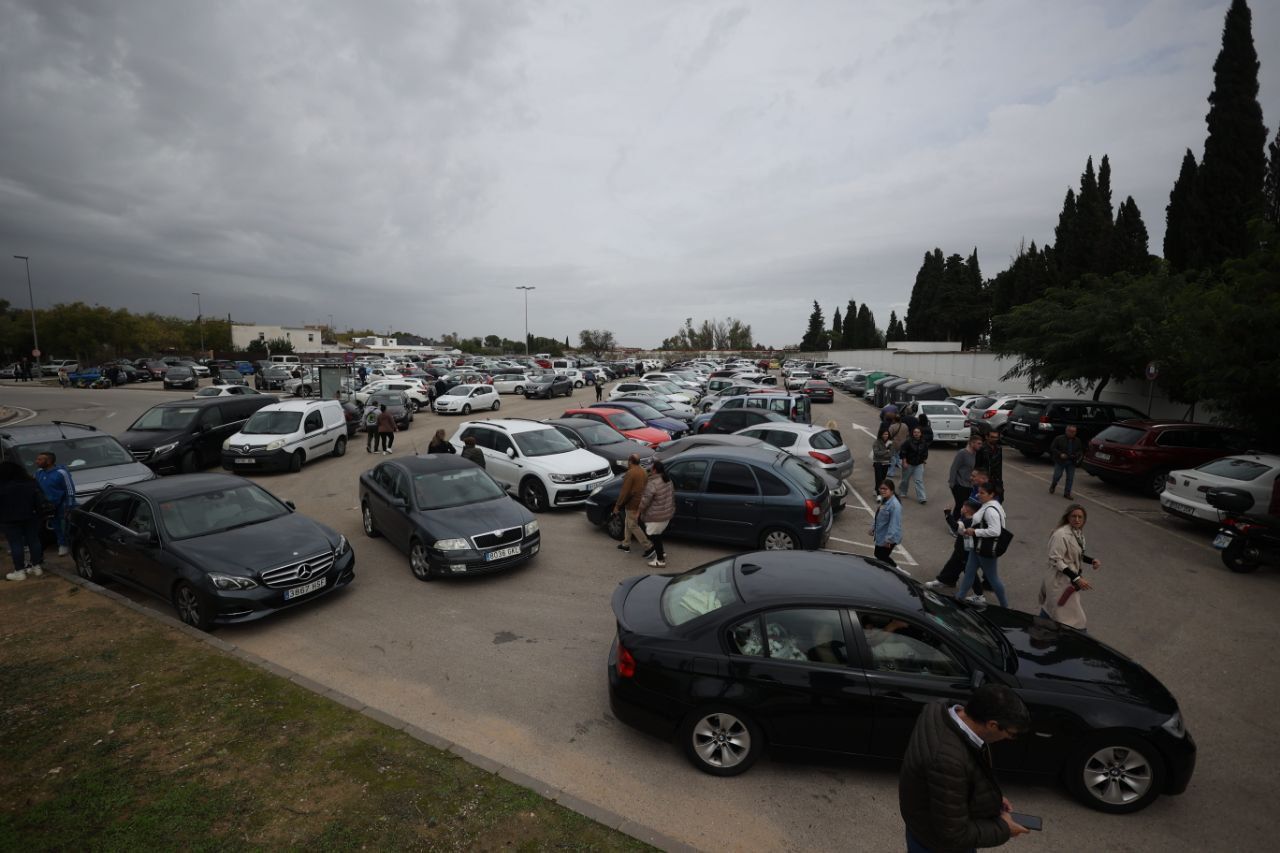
(266, 422)
(78, 454)
(810, 483)
(460, 390)
(698, 592)
(1230, 467)
(454, 488)
(212, 391)
(644, 410)
(825, 440)
(626, 420)
(216, 512)
(597, 434)
(542, 442)
(387, 398)
(178, 372)
(981, 402)
(966, 627)
(166, 418)
(229, 374)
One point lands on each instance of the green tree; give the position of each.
(1130, 251)
(925, 308)
(836, 331)
(1271, 187)
(492, 342)
(868, 335)
(596, 341)
(896, 330)
(280, 346)
(815, 337)
(849, 336)
(1184, 217)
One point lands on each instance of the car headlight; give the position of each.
(451, 545)
(531, 528)
(559, 478)
(231, 582)
(342, 547)
(595, 491)
(1175, 726)
(620, 464)
(276, 445)
(226, 445)
(165, 448)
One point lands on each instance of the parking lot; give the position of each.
(513, 666)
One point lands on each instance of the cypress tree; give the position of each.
(867, 330)
(1183, 237)
(815, 337)
(1129, 244)
(925, 308)
(896, 331)
(1064, 235)
(1271, 187)
(836, 331)
(1232, 170)
(850, 338)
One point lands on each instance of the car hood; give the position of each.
(649, 435)
(463, 522)
(1057, 659)
(96, 479)
(259, 546)
(450, 398)
(671, 425)
(147, 439)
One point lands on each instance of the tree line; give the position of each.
(855, 330)
(714, 334)
(93, 333)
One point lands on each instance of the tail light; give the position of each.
(626, 663)
(812, 511)
(822, 457)
(795, 412)
(1044, 423)
(989, 413)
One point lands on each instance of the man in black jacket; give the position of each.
(1066, 451)
(947, 791)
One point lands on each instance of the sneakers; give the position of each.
(649, 552)
(934, 584)
(655, 563)
(626, 549)
(63, 551)
(34, 571)
(19, 575)
(1067, 495)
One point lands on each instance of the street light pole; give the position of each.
(526, 316)
(199, 319)
(35, 339)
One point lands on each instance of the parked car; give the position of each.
(734, 419)
(287, 435)
(272, 378)
(1142, 453)
(945, 419)
(603, 440)
(675, 427)
(1186, 492)
(623, 422)
(180, 376)
(1036, 421)
(508, 382)
(397, 406)
(548, 386)
(823, 446)
(417, 393)
(835, 655)
(819, 391)
(95, 459)
(187, 435)
(229, 376)
(713, 399)
(225, 391)
(448, 515)
(996, 413)
(753, 497)
(668, 409)
(793, 406)
(306, 383)
(463, 399)
(219, 548)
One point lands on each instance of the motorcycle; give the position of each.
(1246, 540)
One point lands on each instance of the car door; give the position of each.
(726, 421)
(792, 666)
(149, 567)
(729, 507)
(506, 468)
(394, 522)
(105, 529)
(687, 477)
(212, 425)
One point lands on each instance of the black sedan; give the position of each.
(229, 376)
(448, 515)
(604, 441)
(746, 496)
(272, 378)
(819, 391)
(548, 385)
(397, 406)
(219, 547)
(179, 376)
(834, 654)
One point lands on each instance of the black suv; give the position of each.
(95, 459)
(187, 435)
(1036, 421)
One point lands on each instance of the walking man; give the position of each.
(370, 420)
(56, 483)
(1066, 451)
(914, 454)
(962, 465)
(947, 790)
(470, 451)
(633, 483)
(599, 387)
(386, 429)
(991, 457)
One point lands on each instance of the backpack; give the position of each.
(371, 417)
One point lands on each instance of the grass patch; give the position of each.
(121, 734)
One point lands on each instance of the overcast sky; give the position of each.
(407, 165)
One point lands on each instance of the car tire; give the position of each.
(721, 741)
(84, 563)
(367, 523)
(192, 607)
(304, 391)
(1235, 558)
(419, 564)
(577, 384)
(413, 405)
(778, 539)
(340, 446)
(189, 464)
(520, 389)
(1155, 483)
(497, 404)
(614, 525)
(466, 408)
(295, 462)
(528, 396)
(1116, 772)
(533, 495)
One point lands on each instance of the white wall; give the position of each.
(243, 333)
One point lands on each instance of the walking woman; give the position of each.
(1059, 598)
(657, 506)
(20, 520)
(887, 527)
(440, 444)
(883, 452)
(988, 522)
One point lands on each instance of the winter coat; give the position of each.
(1066, 562)
(633, 483)
(899, 432)
(386, 422)
(658, 503)
(475, 454)
(881, 453)
(19, 501)
(947, 791)
(991, 457)
(440, 447)
(1072, 448)
(915, 452)
(961, 468)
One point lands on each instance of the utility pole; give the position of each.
(199, 319)
(35, 339)
(526, 316)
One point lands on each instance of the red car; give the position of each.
(624, 422)
(1142, 452)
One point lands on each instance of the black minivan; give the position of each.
(187, 435)
(1035, 422)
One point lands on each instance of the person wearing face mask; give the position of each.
(1060, 590)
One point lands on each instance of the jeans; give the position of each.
(988, 565)
(914, 473)
(371, 443)
(24, 534)
(387, 439)
(1058, 468)
(881, 472)
(954, 568)
(60, 524)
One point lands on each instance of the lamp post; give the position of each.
(199, 319)
(526, 290)
(35, 339)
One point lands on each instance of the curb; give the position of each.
(587, 809)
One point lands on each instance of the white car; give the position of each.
(464, 399)
(1255, 473)
(628, 386)
(945, 419)
(510, 382)
(575, 376)
(815, 444)
(995, 412)
(535, 461)
(416, 392)
(226, 391)
(286, 436)
(383, 373)
(797, 378)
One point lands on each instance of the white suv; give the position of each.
(535, 461)
(413, 389)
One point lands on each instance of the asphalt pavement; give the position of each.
(513, 666)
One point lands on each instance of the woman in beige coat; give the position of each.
(1060, 590)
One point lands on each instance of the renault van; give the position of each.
(286, 436)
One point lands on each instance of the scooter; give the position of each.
(1246, 540)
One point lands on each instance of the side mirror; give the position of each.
(511, 453)
(399, 503)
(290, 505)
(975, 680)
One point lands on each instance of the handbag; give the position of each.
(989, 546)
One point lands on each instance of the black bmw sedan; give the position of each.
(219, 547)
(834, 654)
(448, 515)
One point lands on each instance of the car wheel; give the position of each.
(418, 562)
(615, 526)
(413, 405)
(519, 389)
(533, 495)
(1155, 483)
(577, 384)
(84, 563)
(466, 408)
(721, 741)
(367, 522)
(1236, 558)
(192, 607)
(497, 404)
(1030, 454)
(340, 446)
(304, 391)
(777, 539)
(188, 464)
(295, 462)
(1116, 772)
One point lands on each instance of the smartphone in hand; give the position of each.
(1030, 821)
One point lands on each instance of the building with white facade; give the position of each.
(303, 338)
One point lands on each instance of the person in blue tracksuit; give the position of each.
(56, 483)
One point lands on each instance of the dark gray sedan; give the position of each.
(604, 441)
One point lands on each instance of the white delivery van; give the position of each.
(289, 360)
(286, 436)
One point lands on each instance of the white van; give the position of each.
(561, 364)
(285, 436)
(290, 360)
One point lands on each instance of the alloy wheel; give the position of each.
(187, 602)
(418, 562)
(1117, 775)
(721, 740)
(779, 540)
(84, 562)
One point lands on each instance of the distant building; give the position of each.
(303, 338)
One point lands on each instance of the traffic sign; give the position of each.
(1153, 371)
(35, 353)
(348, 357)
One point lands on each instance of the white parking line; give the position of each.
(900, 554)
(30, 413)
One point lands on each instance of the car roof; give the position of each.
(763, 455)
(604, 410)
(790, 426)
(1160, 426)
(35, 433)
(511, 425)
(184, 485)
(431, 463)
(294, 405)
(790, 575)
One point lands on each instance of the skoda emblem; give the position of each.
(304, 570)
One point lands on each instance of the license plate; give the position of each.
(1105, 457)
(305, 588)
(1222, 540)
(245, 461)
(1019, 427)
(503, 552)
(1177, 507)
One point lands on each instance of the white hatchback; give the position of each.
(1255, 473)
(464, 399)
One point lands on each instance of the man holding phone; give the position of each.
(947, 791)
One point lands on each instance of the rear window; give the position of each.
(1027, 409)
(939, 409)
(825, 440)
(809, 482)
(981, 402)
(1121, 435)
(1232, 468)
(699, 592)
